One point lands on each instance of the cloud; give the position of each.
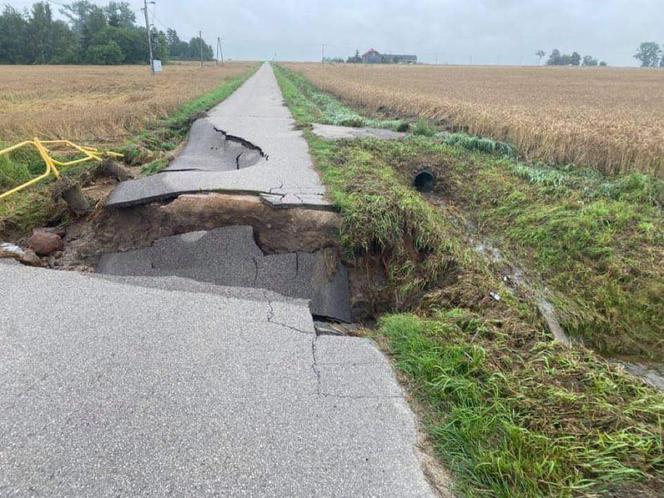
(489, 31)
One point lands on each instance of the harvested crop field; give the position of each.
(98, 104)
(609, 119)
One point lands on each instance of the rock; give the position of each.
(25, 256)
(45, 243)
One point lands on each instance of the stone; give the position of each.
(45, 243)
(14, 252)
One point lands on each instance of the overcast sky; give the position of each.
(484, 31)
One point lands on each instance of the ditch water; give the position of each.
(515, 279)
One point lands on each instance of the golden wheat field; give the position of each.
(611, 119)
(96, 104)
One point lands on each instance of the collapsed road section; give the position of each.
(230, 257)
(247, 146)
(189, 364)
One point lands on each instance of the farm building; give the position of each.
(375, 57)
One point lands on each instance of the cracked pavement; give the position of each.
(253, 118)
(193, 367)
(126, 386)
(229, 256)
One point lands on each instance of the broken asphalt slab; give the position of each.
(209, 149)
(255, 116)
(124, 390)
(332, 132)
(230, 257)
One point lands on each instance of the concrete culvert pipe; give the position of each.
(424, 181)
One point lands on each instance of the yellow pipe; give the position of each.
(14, 147)
(34, 180)
(91, 153)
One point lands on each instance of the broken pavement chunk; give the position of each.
(229, 256)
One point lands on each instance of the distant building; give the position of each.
(372, 57)
(375, 57)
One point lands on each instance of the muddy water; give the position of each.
(514, 278)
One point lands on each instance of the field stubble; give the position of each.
(97, 104)
(606, 118)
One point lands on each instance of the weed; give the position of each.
(423, 129)
(515, 422)
(314, 106)
(478, 144)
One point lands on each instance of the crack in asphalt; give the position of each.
(242, 141)
(314, 365)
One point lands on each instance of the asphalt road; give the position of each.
(116, 388)
(256, 114)
(153, 385)
(230, 257)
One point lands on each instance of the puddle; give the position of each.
(653, 374)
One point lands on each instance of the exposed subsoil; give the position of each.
(276, 231)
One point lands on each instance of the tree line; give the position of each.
(556, 58)
(90, 34)
(650, 54)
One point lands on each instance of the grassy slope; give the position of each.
(34, 207)
(510, 411)
(595, 243)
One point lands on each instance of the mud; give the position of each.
(120, 230)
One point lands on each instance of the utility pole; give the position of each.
(147, 27)
(200, 39)
(323, 53)
(220, 51)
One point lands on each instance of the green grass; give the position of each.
(315, 106)
(596, 243)
(510, 411)
(550, 422)
(34, 207)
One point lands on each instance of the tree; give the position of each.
(13, 33)
(160, 45)
(540, 55)
(176, 47)
(94, 23)
(575, 59)
(108, 54)
(589, 60)
(194, 51)
(132, 42)
(65, 46)
(77, 14)
(93, 34)
(649, 54)
(120, 15)
(603, 64)
(39, 33)
(555, 59)
(356, 59)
